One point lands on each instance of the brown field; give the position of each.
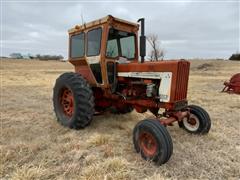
(34, 146)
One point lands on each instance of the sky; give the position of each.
(186, 29)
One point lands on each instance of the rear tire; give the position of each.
(73, 101)
(153, 141)
(199, 121)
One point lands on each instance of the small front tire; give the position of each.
(198, 122)
(152, 140)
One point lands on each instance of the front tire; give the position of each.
(153, 141)
(73, 101)
(199, 121)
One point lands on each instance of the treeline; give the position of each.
(37, 56)
(49, 57)
(235, 57)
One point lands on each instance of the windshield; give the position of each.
(120, 43)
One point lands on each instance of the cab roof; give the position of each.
(100, 21)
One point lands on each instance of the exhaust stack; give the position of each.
(142, 40)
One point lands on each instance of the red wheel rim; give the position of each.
(192, 121)
(148, 143)
(67, 102)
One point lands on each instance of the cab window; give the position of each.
(94, 42)
(77, 45)
(120, 43)
(128, 47)
(112, 48)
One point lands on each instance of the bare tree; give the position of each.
(156, 53)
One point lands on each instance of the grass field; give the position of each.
(35, 146)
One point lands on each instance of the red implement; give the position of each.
(233, 86)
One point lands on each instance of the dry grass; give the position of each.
(98, 139)
(109, 168)
(34, 146)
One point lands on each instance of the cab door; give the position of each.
(120, 49)
(93, 50)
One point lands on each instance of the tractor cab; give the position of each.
(95, 49)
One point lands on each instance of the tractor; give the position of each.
(111, 74)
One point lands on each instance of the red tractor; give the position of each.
(109, 75)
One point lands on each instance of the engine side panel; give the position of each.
(164, 77)
(179, 75)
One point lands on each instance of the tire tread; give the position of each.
(83, 97)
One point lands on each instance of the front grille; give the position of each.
(182, 80)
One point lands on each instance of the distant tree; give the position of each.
(60, 57)
(235, 57)
(49, 57)
(156, 53)
(37, 56)
(31, 56)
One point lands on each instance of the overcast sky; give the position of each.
(187, 29)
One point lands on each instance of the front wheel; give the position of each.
(153, 141)
(198, 122)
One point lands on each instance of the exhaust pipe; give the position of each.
(142, 40)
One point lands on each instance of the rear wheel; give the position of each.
(153, 141)
(198, 122)
(73, 101)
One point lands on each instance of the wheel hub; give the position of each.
(67, 102)
(148, 143)
(192, 123)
